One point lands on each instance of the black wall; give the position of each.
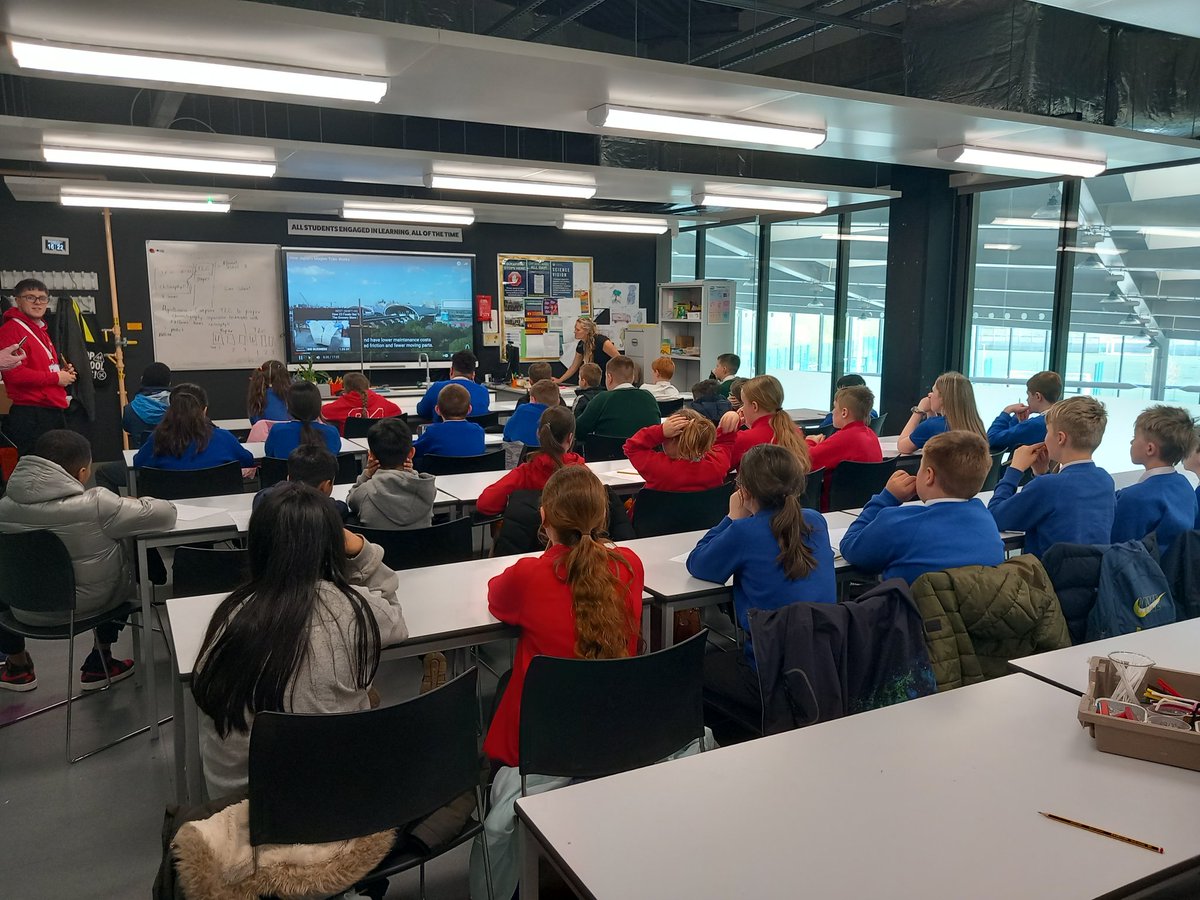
(615, 258)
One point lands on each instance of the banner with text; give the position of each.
(388, 231)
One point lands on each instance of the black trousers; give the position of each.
(25, 424)
(11, 643)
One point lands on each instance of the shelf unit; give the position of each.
(707, 326)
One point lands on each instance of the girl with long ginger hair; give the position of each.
(950, 406)
(766, 423)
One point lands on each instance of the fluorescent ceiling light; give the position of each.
(209, 165)
(1001, 246)
(619, 226)
(1019, 222)
(870, 238)
(418, 215)
(141, 66)
(1020, 159)
(802, 205)
(507, 186)
(1096, 250)
(730, 131)
(1170, 231)
(175, 202)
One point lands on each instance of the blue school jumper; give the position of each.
(1075, 506)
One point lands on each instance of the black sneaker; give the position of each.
(91, 676)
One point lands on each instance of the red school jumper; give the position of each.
(349, 406)
(32, 383)
(665, 474)
(530, 475)
(531, 594)
(854, 443)
(741, 441)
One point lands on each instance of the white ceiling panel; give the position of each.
(1174, 16)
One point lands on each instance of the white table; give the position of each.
(934, 798)
(1174, 646)
(806, 415)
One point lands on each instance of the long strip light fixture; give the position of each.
(511, 186)
(143, 66)
(614, 224)
(725, 130)
(1182, 231)
(869, 238)
(970, 155)
(174, 202)
(214, 165)
(746, 201)
(1022, 222)
(417, 214)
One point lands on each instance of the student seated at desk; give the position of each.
(538, 371)
(390, 493)
(707, 401)
(660, 386)
(186, 439)
(854, 441)
(689, 460)
(304, 405)
(451, 434)
(1075, 506)
(522, 425)
(148, 405)
(1015, 427)
(777, 553)
(1192, 464)
(556, 435)
(735, 392)
(590, 377)
(765, 422)
(462, 373)
(582, 598)
(724, 372)
(267, 392)
(357, 401)
(46, 491)
(949, 406)
(314, 466)
(951, 528)
(622, 409)
(1162, 502)
(844, 382)
(303, 634)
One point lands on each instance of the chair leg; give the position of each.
(487, 854)
(70, 681)
(422, 871)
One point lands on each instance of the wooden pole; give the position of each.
(118, 357)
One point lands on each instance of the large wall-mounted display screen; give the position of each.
(374, 307)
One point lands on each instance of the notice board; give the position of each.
(540, 299)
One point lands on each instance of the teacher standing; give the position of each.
(37, 386)
(592, 347)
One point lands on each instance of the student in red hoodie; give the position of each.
(765, 422)
(556, 434)
(854, 441)
(689, 460)
(357, 400)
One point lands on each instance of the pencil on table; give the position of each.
(1110, 834)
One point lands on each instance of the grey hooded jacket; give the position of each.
(394, 499)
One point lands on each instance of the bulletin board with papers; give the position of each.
(540, 299)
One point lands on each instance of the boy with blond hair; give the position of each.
(1162, 501)
(951, 529)
(1074, 506)
(662, 371)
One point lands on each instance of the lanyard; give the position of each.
(45, 343)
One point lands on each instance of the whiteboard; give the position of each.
(215, 306)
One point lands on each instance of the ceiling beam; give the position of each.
(516, 13)
(566, 18)
(812, 15)
(164, 108)
(800, 35)
(741, 39)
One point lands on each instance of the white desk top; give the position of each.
(1174, 646)
(937, 798)
(804, 414)
(257, 450)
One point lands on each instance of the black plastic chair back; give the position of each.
(349, 468)
(487, 420)
(206, 570)
(36, 574)
(854, 483)
(877, 423)
(416, 548)
(318, 778)
(519, 530)
(358, 426)
(603, 447)
(271, 470)
(672, 512)
(669, 407)
(182, 484)
(814, 484)
(909, 463)
(826, 430)
(435, 464)
(586, 718)
(993, 475)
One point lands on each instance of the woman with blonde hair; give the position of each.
(950, 406)
(593, 347)
(765, 422)
(690, 459)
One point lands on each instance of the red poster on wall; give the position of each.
(483, 307)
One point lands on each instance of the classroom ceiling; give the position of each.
(1173, 16)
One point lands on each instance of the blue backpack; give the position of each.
(1132, 595)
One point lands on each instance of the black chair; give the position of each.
(358, 426)
(435, 464)
(814, 484)
(603, 447)
(182, 484)
(669, 407)
(587, 718)
(993, 475)
(399, 764)
(487, 420)
(910, 463)
(877, 423)
(271, 470)
(854, 483)
(207, 570)
(349, 468)
(522, 521)
(826, 430)
(36, 576)
(672, 512)
(416, 548)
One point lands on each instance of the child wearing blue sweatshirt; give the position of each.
(185, 439)
(777, 553)
(452, 435)
(304, 406)
(951, 529)
(1015, 426)
(522, 426)
(1162, 501)
(462, 373)
(1075, 506)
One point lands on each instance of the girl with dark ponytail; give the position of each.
(304, 405)
(556, 434)
(776, 552)
(186, 439)
(357, 400)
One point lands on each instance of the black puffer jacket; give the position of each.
(1074, 569)
(1182, 568)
